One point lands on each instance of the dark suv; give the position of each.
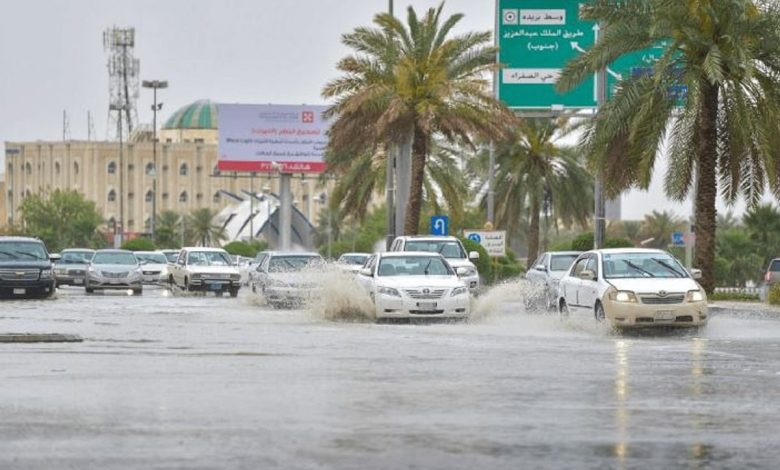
(25, 268)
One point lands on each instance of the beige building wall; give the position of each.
(186, 180)
(3, 209)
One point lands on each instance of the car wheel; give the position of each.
(234, 292)
(254, 288)
(599, 312)
(563, 309)
(138, 291)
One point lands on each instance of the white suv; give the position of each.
(449, 247)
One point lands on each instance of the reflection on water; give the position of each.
(621, 390)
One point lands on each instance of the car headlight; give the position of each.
(695, 296)
(45, 273)
(467, 271)
(623, 296)
(459, 291)
(389, 291)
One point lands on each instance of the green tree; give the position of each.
(168, 230)
(725, 55)
(659, 226)
(65, 219)
(763, 228)
(248, 249)
(534, 174)
(204, 231)
(139, 244)
(736, 259)
(409, 83)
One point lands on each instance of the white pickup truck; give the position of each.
(205, 270)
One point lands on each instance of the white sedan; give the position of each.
(633, 287)
(414, 285)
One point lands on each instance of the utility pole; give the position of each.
(252, 206)
(390, 179)
(154, 85)
(599, 225)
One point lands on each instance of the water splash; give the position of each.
(508, 297)
(341, 298)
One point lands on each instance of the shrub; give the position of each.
(774, 294)
(139, 244)
(506, 267)
(583, 242)
(733, 296)
(618, 243)
(483, 264)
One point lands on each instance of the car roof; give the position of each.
(113, 250)
(148, 252)
(355, 254)
(564, 252)
(404, 254)
(294, 253)
(607, 251)
(428, 237)
(72, 250)
(19, 239)
(203, 248)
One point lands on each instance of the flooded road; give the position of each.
(164, 381)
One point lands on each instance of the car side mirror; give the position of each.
(541, 267)
(696, 273)
(587, 275)
(474, 255)
(54, 257)
(366, 272)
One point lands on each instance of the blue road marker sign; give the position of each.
(475, 238)
(440, 225)
(678, 239)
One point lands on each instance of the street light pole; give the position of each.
(390, 179)
(154, 85)
(121, 225)
(599, 225)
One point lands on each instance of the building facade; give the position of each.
(116, 178)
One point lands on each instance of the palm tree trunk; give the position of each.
(707, 187)
(533, 230)
(419, 153)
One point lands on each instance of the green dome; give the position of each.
(201, 114)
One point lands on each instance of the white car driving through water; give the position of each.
(450, 248)
(633, 287)
(289, 279)
(414, 285)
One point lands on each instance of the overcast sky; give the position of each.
(248, 51)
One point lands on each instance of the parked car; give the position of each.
(288, 279)
(414, 285)
(25, 268)
(171, 255)
(544, 276)
(205, 270)
(114, 270)
(772, 275)
(633, 287)
(450, 248)
(71, 268)
(154, 266)
(352, 262)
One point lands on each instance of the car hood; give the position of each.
(650, 285)
(298, 277)
(22, 264)
(460, 263)
(213, 269)
(115, 268)
(415, 282)
(153, 267)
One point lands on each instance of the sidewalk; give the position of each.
(761, 308)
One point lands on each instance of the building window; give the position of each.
(111, 168)
(149, 196)
(10, 194)
(57, 168)
(130, 167)
(165, 195)
(130, 223)
(198, 141)
(217, 197)
(149, 168)
(130, 195)
(28, 168)
(165, 167)
(76, 168)
(183, 169)
(183, 196)
(111, 196)
(199, 196)
(198, 168)
(27, 193)
(10, 169)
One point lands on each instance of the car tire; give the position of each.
(89, 290)
(563, 309)
(234, 292)
(598, 312)
(138, 291)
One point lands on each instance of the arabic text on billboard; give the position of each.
(255, 137)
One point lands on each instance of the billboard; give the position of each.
(267, 137)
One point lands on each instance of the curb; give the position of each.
(39, 338)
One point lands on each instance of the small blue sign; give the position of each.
(475, 238)
(440, 225)
(678, 239)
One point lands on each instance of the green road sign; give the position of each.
(537, 38)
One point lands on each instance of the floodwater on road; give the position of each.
(164, 381)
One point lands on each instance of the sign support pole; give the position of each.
(285, 211)
(599, 226)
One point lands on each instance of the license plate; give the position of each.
(20, 291)
(114, 281)
(664, 315)
(78, 281)
(426, 305)
(215, 286)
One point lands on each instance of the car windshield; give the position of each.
(561, 262)
(209, 258)
(642, 265)
(449, 249)
(775, 265)
(354, 259)
(151, 258)
(414, 266)
(171, 256)
(280, 264)
(76, 257)
(30, 251)
(114, 258)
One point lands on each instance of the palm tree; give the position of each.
(763, 226)
(204, 231)
(715, 93)
(533, 174)
(409, 83)
(659, 226)
(167, 229)
(629, 229)
(726, 221)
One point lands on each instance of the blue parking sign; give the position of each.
(440, 225)
(678, 239)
